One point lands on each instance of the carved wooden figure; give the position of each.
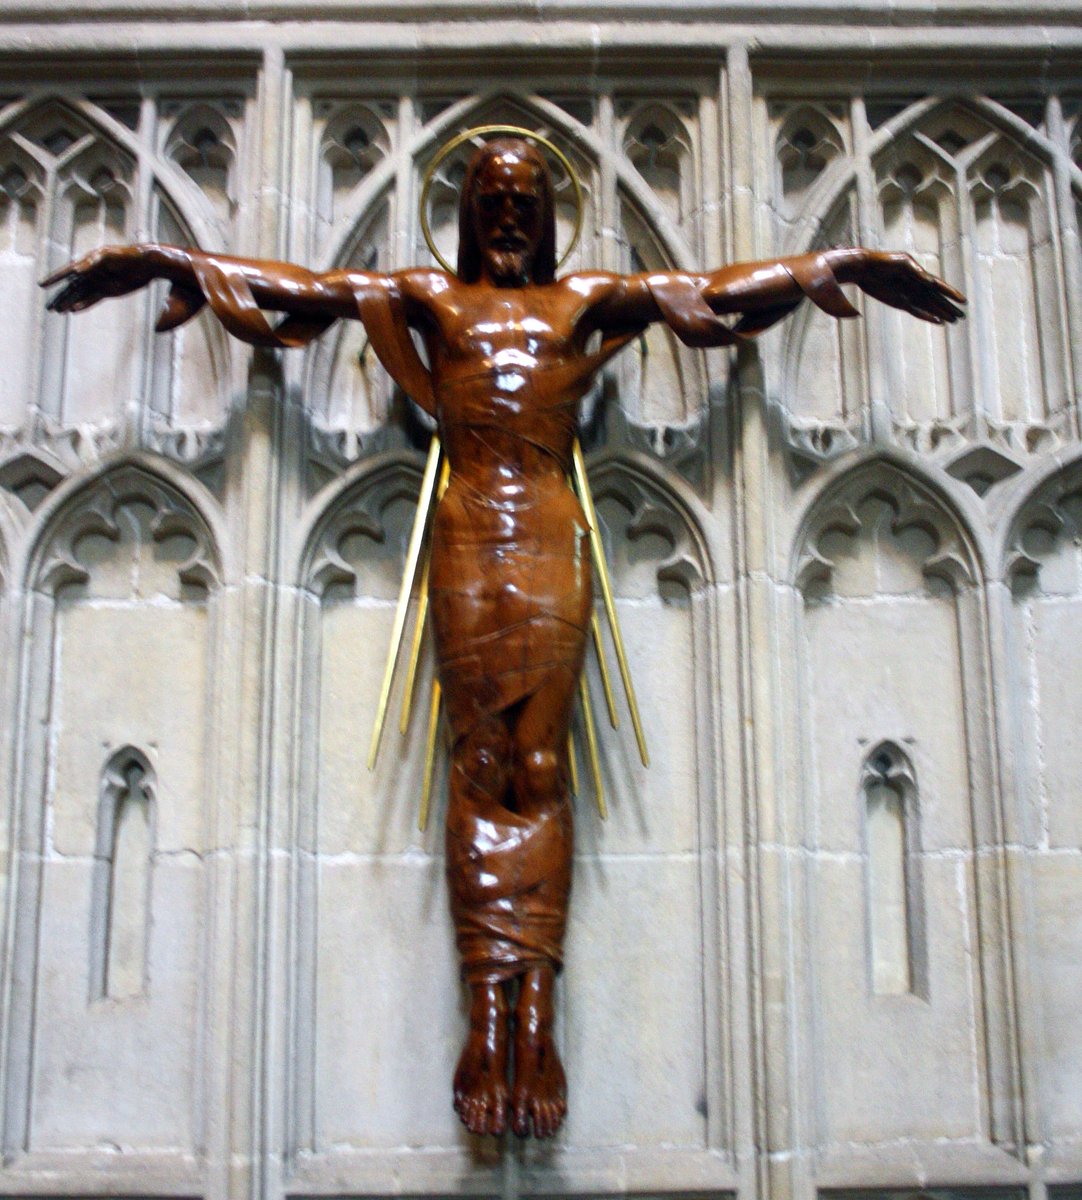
(510, 569)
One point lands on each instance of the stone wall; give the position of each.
(830, 942)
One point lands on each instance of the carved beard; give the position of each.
(509, 266)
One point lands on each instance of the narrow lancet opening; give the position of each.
(892, 873)
(124, 858)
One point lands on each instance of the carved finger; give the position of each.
(951, 293)
(85, 302)
(58, 276)
(936, 302)
(66, 297)
(949, 312)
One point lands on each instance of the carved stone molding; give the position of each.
(967, 187)
(30, 476)
(653, 509)
(1051, 515)
(76, 173)
(889, 764)
(360, 510)
(194, 446)
(912, 506)
(93, 511)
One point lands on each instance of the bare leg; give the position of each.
(540, 1089)
(479, 779)
(481, 824)
(539, 1092)
(480, 1086)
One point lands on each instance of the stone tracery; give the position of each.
(1008, 461)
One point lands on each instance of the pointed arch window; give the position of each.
(896, 952)
(76, 175)
(122, 877)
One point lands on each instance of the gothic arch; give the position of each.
(465, 112)
(840, 175)
(86, 500)
(345, 506)
(121, 628)
(661, 556)
(124, 858)
(655, 140)
(1038, 511)
(177, 188)
(345, 822)
(890, 635)
(967, 187)
(890, 803)
(204, 147)
(348, 560)
(69, 162)
(658, 503)
(805, 145)
(680, 374)
(917, 499)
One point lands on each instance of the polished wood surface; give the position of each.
(510, 573)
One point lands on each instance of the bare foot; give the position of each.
(539, 1094)
(480, 1085)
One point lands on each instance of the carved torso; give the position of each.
(510, 571)
(508, 374)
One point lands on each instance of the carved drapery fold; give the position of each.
(968, 189)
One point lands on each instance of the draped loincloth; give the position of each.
(510, 584)
(509, 880)
(510, 591)
(511, 596)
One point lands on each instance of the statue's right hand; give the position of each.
(109, 271)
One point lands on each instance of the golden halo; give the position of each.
(451, 146)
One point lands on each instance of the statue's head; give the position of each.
(507, 216)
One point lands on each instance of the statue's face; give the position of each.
(507, 213)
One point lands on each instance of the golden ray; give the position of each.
(585, 495)
(420, 522)
(430, 756)
(422, 613)
(599, 649)
(591, 744)
(429, 489)
(606, 678)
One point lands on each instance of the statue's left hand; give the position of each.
(109, 271)
(900, 281)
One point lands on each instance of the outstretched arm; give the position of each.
(236, 288)
(239, 289)
(764, 292)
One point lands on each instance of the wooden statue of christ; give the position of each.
(511, 591)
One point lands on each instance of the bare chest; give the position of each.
(488, 328)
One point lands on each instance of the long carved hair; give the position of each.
(543, 269)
